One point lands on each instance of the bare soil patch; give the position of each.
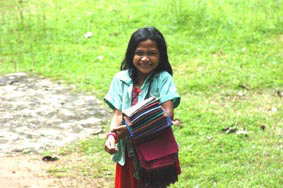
(39, 115)
(24, 171)
(29, 171)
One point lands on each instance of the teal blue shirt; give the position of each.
(119, 97)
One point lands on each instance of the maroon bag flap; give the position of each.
(163, 145)
(160, 163)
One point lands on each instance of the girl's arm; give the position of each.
(120, 130)
(116, 128)
(116, 119)
(169, 108)
(110, 143)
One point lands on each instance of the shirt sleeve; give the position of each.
(168, 90)
(114, 96)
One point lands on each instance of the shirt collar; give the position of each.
(125, 77)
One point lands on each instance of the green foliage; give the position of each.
(227, 59)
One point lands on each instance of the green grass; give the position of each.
(227, 58)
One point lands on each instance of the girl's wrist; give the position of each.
(114, 135)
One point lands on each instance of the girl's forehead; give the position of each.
(147, 44)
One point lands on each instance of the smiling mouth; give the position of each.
(145, 65)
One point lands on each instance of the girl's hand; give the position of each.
(121, 131)
(110, 145)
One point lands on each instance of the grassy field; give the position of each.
(227, 58)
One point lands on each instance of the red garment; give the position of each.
(124, 174)
(135, 94)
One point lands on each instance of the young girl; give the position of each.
(145, 69)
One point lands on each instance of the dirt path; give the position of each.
(37, 114)
(29, 171)
(25, 171)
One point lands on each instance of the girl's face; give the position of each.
(146, 57)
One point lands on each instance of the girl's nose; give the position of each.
(145, 58)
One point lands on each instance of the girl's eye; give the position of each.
(139, 53)
(152, 53)
(143, 53)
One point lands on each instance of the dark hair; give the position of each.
(138, 36)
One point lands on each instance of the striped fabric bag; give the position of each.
(146, 119)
